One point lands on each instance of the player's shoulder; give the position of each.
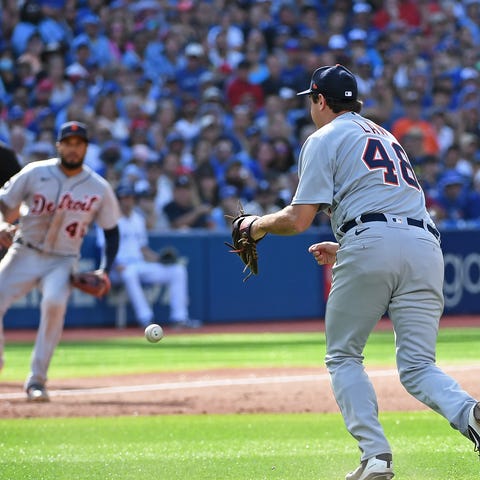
(96, 177)
(321, 135)
(335, 132)
(40, 165)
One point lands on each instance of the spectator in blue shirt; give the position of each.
(188, 77)
(53, 28)
(30, 17)
(98, 43)
(453, 197)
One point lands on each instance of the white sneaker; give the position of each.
(37, 393)
(375, 468)
(474, 426)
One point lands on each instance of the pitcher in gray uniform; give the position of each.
(387, 258)
(55, 201)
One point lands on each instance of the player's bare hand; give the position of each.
(7, 231)
(325, 253)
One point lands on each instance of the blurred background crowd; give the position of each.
(192, 103)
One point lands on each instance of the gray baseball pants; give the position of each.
(21, 270)
(394, 268)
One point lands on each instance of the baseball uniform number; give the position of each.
(76, 229)
(375, 156)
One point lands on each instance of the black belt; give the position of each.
(28, 244)
(21, 241)
(380, 217)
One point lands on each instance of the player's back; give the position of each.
(372, 172)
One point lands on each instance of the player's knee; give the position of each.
(53, 306)
(342, 363)
(5, 302)
(409, 378)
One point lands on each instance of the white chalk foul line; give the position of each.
(221, 382)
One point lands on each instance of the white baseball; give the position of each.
(154, 333)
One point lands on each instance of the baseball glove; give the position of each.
(94, 283)
(242, 242)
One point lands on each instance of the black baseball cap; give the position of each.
(333, 81)
(72, 129)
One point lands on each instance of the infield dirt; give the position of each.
(254, 390)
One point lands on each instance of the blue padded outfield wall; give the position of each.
(290, 284)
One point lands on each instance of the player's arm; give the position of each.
(291, 220)
(112, 240)
(7, 230)
(295, 219)
(7, 214)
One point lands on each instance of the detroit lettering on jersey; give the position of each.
(67, 202)
(57, 210)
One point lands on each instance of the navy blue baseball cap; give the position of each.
(333, 81)
(125, 190)
(72, 129)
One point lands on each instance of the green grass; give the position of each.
(224, 447)
(192, 352)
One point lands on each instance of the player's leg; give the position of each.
(132, 278)
(415, 312)
(55, 289)
(18, 275)
(361, 288)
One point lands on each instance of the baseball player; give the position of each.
(387, 258)
(58, 198)
(136, 262)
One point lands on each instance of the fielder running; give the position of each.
(387, 259)
(59, 198)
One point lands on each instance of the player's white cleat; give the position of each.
(474, 426)
(375, 468)
(37, 393)
(187, 323)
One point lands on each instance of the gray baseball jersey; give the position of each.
(378, 179)
(55, 214)
(391, 263)
(56, 210)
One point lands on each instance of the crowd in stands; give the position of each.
(193, 102)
